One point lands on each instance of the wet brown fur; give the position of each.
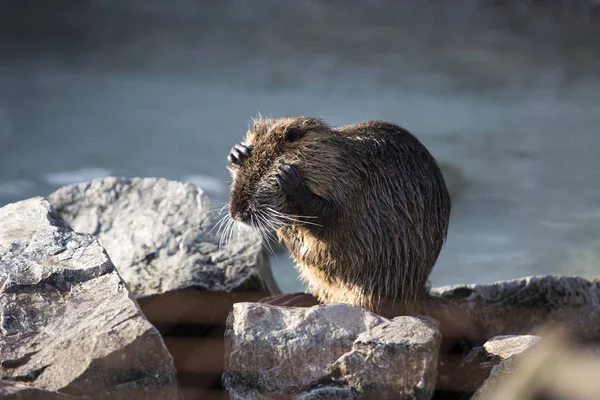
(390, 215)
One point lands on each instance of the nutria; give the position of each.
(363, 208)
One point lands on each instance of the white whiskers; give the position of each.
(289, 219)
(264, 222)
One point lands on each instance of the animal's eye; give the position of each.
(293, 135)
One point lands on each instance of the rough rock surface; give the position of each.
(161, 236)
(336, 351)
(556, 368)
(522, 306)
(396, 359)
(508, 346)
(500, 356)
(499, 353)
(15, 391)
(67, 321)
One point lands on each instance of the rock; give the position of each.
(522, 306)
(499, 352)
(12, 391)
(337, 351)
(161, 236)
(271, 350)
(329, 393)
(165, 241)
(67, 321)
(504, 347)
(397, 359)
(555, 368)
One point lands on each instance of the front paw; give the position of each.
(239, 152)
(289, 178)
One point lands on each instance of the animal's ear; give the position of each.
(293, 134)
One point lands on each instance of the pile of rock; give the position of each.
(161, 236)
(345, 352)
(68, 323)
(328, 351)
(72, 327)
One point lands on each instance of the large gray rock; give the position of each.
(394, 360)
(67, 321)
(161, 236)
(334, 351)
(522, 306)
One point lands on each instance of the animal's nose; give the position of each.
(242, 216)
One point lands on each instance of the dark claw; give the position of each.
(307, 203)
(239, 152)
(289, 178)
(234, 156)
(245, 150)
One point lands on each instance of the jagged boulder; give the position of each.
(336, 351)
(161, 236)
(166, 242)
(68, 324)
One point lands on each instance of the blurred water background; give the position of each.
(506, 94)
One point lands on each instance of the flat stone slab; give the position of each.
(337, 351)
(68, 324)
(522, 306)
(508, 346)
(161, 235)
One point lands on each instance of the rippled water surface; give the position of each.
(506, 96)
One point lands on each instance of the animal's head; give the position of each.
(256, 198)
